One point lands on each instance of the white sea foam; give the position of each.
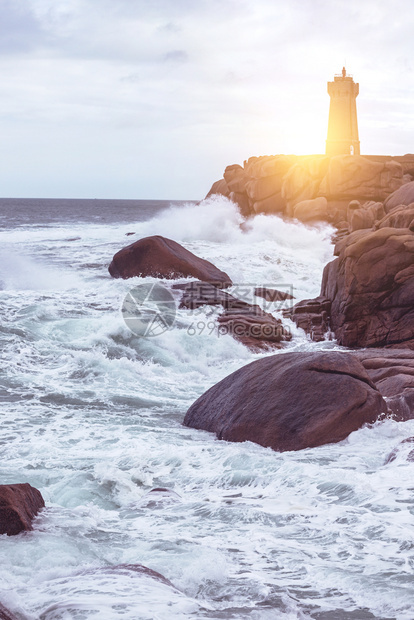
(92, 416)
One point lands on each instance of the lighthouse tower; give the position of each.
(343, 124)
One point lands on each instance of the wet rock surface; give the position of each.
(160, 257)
(392, 371)
(246, 322)
(19, 504)
(371, 288)
(290, 401)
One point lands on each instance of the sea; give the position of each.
(92, 416)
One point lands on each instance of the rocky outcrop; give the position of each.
(311, 188)
(312, 315)
(350, 177)
(245, 322)
(398, 217)
(290, 401)
(219, 187)
(392, 371)
(19, 504)
(253, 327)
(402, 196)
(160, 257)
(313, 210)
(236, 180)
(265, 181)
(302, 181)
(360, 216)
(371, 289)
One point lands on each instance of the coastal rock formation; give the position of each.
(371, 288)
(19, 504)
(402, 196)
(313, 210)
(246, 322)
(290, 401)
(365, 215)
(303, 180)
(351, 177)
(253, 327)
(398, 217)
(264, 182)
(312, 315)
(392, 371)
(311, 188)
(164, 258)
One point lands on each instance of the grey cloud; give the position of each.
(20, 31)
(176, 56)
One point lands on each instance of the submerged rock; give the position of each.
(160, 257)
(290, 401)
(19, 504)
(5, 614)
(405, 450)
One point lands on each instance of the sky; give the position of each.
(152, 99)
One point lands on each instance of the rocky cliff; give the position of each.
(314, 187)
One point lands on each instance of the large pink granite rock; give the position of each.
(371, 287)
(403, 195)
(290, 401)
(164, 258)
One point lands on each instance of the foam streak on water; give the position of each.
(92, 415)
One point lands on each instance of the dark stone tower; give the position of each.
(343, 124)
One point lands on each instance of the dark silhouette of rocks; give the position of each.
(160, 257)
(19, 504)
(290, 401)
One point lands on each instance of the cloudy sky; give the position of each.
(153, 98)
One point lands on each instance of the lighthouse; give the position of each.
(343, 125)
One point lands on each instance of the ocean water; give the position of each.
(91, 415)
